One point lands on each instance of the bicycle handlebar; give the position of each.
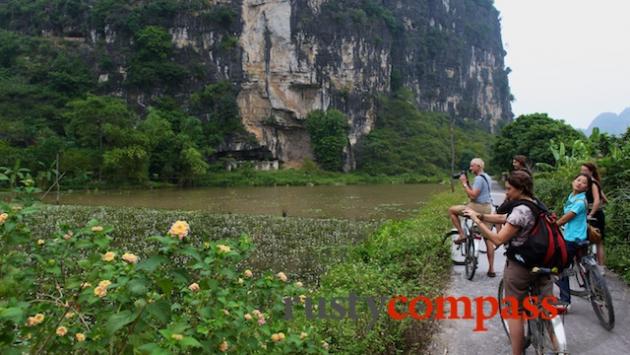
(544, 271)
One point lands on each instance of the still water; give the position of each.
(347, 202)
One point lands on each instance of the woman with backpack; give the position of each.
(596, 200)
(517, 226)
(575, 225)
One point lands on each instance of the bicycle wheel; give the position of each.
(601, 299)
(546, 336)
(457, 250)
(500, 296)
(577, 281)
(471, 261)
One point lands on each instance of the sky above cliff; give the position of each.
(569, 58)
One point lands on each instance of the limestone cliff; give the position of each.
(290, 57)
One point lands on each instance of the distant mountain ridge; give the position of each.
(611, 123)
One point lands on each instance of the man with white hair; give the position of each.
(480, 201)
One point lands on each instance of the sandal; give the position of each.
(491, 274)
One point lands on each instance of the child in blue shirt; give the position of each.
(575, 225)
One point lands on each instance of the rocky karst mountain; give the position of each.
(288, 58)
(611, 123)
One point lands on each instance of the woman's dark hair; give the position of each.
(521, 159)
(589, 179)
(521, 180)
(593, 169)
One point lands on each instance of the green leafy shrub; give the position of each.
(328, 132)
(74, 291)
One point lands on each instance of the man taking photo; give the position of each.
(480, 202)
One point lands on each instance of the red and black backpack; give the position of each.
(545, 245)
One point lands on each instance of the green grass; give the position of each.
(401, 257)
(284, 177)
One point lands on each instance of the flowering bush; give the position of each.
(74, 292)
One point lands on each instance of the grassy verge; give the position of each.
(284, 177)
(400, 258)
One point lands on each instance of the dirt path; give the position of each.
(584, 334)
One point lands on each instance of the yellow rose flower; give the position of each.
(80, 337)
(130, 258)
(104, 283)
(277, 337)
(194, 287)
(248, 273)
(97, 229)
(177, 336)
(223, 248)
(223, 347)
(61, 331)
(35, 320)
(3, 217)
(100, 291)
(179, 229)
(109, 256)
(281, 275)
(40, 242)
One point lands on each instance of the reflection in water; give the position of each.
(349, 202)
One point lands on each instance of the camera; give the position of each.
(456, 176)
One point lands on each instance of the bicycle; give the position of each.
(592, 286)
(545, 336)
(466, 253)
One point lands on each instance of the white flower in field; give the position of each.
(80, 337)
(194, 287)
(86, 285)
(61, 331)
(177, 336)
(325, 345)
(68, 235)
(223, 248)
(97, 229)
(226, 312)
(299, 284)
(302, 298)
(303, 335)
(240, 280)
(130, 258)
(109, 256)
(69, 315)
(248, 273)
(247, 316)
(223, 347)
(282, 276)
(40, 242)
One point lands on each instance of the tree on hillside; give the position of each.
(328, 132)
(530, 135)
